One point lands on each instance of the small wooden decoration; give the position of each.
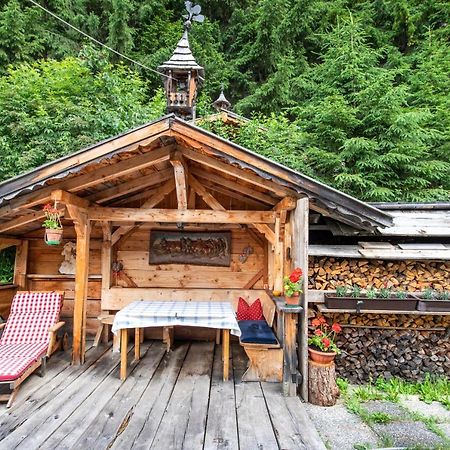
(68, 265)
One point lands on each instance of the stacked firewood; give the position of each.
(409, 354)
(327, 273)
(369, 351)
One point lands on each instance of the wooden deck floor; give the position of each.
(169, 402)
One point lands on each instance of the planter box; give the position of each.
(364, 303)
(433, 305)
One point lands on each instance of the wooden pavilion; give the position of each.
(170, 175)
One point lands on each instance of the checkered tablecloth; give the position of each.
(143, 314)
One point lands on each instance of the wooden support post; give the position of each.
(83, 230)
(20, 266)
(137, 344)
(106, 270)
(299, 253)
(290, 359)
(181, 179)
(123, 353)
(278, 257)
(226, 354)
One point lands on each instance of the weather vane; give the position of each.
(192, 15)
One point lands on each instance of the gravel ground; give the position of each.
(343, 430)
(435, 409)
(340, 429)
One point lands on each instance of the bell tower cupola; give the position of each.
(183, 75)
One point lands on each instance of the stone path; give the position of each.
(404, 427)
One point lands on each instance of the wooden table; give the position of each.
(142, 314)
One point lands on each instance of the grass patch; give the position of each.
(431, 388)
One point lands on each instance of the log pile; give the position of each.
(409, 354)
(408, 351)
(327, 273)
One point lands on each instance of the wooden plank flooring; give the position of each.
(168, 402)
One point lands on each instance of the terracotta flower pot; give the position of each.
(293, 300)
(53, 236)
(321, 357)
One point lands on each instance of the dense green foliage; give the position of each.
(352, 93)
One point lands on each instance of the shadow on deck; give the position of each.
(169, 402)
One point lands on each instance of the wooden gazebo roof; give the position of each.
(128, 169)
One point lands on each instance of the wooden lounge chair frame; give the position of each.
(54, 345)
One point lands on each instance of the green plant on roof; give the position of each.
(443, 295)
(428, 294)
(356, 291)
(371, 293)
(341, 291)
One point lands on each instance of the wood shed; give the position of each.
(170, 176)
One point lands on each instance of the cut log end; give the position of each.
(322, 387)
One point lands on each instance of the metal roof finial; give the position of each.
(192, 15)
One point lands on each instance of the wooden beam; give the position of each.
(191, 199)
(181, 179)
(175, 216)
(266, 231)
(254, 279)
(163, 191)
(101, 175)
(20, 266)
(286, 204)
(8, 242)
(248, 176)
(299, 253)
(136, 184)
(234, 186)
(21, 221)
(82, 229)
(206, 196)
(250, 202)
(67, 198)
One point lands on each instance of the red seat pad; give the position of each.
(28, 350)
(12, 367)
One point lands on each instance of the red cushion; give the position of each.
(12, 367)
(249, 312)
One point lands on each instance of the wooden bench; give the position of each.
(265, 360)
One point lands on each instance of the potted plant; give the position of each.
(435, 301)
(293, 287)
(384, 299)
(322, 346)
(52, 224)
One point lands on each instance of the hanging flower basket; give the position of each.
(52, 224)
(53, 236)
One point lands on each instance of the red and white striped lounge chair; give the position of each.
(28, 338)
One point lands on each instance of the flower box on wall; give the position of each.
(433, 305)
(364, 303)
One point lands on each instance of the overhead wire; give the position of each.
(137, 63)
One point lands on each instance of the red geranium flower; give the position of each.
(318, 332)
(294, 277)
(323, 321)
(336, 328)
(298, 271)
(316, 323)
(326, 342)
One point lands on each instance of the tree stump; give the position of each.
(322, 387)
